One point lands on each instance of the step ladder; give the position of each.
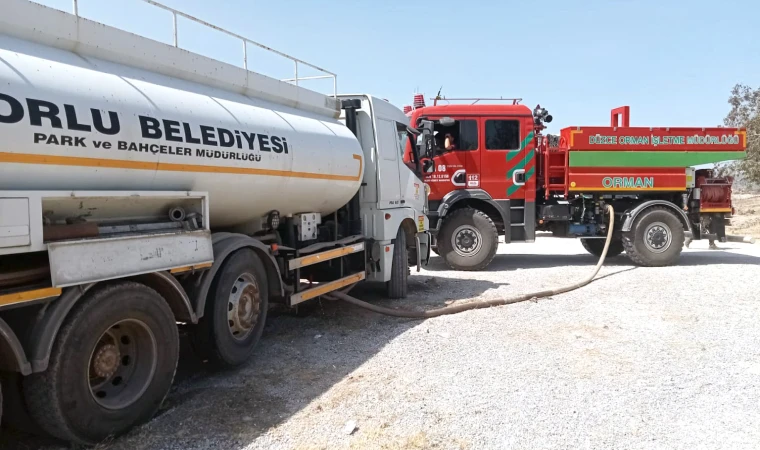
(555, 169)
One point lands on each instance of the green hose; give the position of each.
(454, 309)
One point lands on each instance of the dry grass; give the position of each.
(747, 219)
(380, 439)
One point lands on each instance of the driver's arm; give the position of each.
(449, 142)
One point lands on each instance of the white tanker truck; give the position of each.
(143, 186)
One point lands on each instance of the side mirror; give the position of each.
(428, 166)
(425, 139)
(425, 144)
(447, 121)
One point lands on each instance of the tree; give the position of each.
(745, 112)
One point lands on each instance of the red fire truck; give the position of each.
(491, 172)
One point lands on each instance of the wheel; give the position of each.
(13, 400)
(656, 238)
(397, 286)
(468, 240)
(235, 312)
(596, 246)
(111, 366)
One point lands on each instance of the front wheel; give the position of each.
(656, 238)
(111, 367)
(468, 240)
(397, 286)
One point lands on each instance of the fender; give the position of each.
(45, 329)
(398, 216)
(172, 291)
(630, 215)
(224, 245)
(478, 194)
(12, 355)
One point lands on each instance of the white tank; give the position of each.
(72, 122)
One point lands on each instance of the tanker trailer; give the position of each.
(144, 186)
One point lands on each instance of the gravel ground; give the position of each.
(642, 358)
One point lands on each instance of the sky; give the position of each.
(673, 62)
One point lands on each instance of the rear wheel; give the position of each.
(656, 238)
(468, 240)
(13, 400)
(235, 312)
(596, 246)
(397, 286)
(111, 367)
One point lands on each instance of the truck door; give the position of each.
(507, 167)
(388, 183)
(452, 165)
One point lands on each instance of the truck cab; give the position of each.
(482, 180)
(392, 198)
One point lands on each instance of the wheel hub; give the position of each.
(243, 306)
(467, 240)
(122, 364)
(658, 237)
(106, 361)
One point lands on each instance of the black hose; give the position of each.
(453, 309)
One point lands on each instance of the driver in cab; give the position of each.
(448, 141)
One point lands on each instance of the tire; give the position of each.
(235, 312)
(596, 246)
(13, 400)
(656, 238)
(398, 285)
(122, 335)
(468, 226)
(434, 245)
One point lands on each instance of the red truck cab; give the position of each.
(489, 173)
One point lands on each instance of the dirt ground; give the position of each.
(642, 358)
(609, 366)
(747, 219)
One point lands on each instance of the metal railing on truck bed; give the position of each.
(245, 41)
(30, 21)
